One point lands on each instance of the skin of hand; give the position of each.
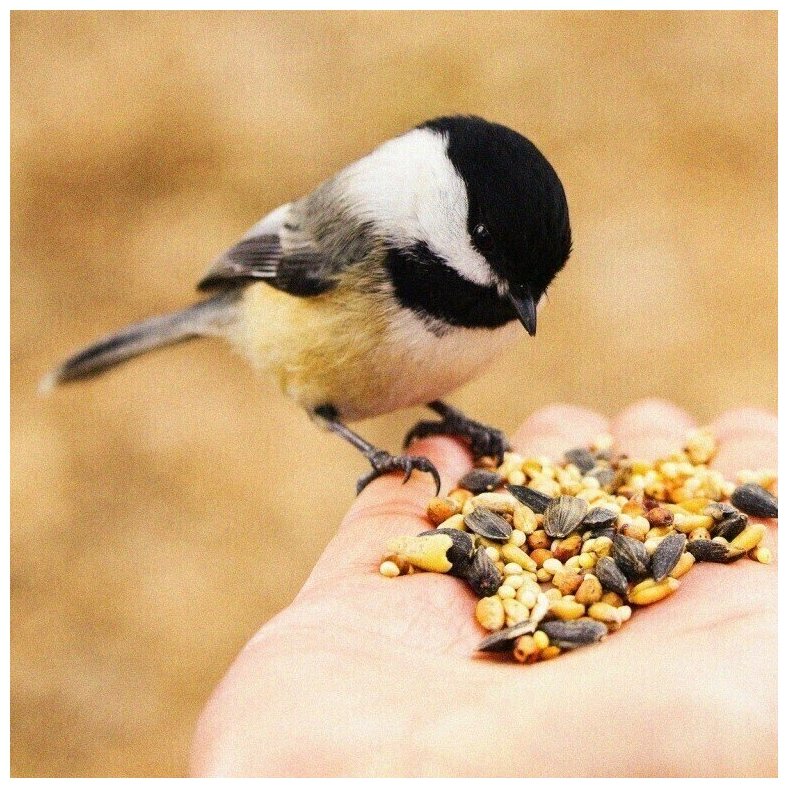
(367, 676)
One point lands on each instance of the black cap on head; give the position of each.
(518, 217)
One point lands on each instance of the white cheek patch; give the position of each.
(409, 188)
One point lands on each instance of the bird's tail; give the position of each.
(204, 318)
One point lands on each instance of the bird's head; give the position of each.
(517, 214)
(475, 218)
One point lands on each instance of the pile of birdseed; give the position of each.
(560, 554)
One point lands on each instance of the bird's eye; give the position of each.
(482, 239)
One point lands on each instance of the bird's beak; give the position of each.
(525, 306)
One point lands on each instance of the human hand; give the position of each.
(365, 676)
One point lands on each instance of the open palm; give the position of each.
(362, 675)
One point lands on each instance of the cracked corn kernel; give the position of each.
(425, 552)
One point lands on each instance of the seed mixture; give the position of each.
(561, 554)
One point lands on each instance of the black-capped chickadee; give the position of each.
(391, 284)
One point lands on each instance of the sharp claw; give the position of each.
(409, 436)
(408, 468)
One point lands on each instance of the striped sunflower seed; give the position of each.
(631, 557)
(480, 480)
(599, 517)
(610, 576)
(730, 527)
(666, 556)
(503, 639)
(720, 510)
(582, 458)
(604, 475)
(488, 524)
(707, 550)
(573, 634)
(564, 515)
(536, 501)
(752, 499)
(481, 574)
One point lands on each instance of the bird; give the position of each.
(391, 284)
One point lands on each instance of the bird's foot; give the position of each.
(482, 440)
(382, 463)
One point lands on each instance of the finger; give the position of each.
(557, 428)
(387, 507)
(747, 441)
(651, 428)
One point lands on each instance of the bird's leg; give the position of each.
(483, 441)
(381, 461)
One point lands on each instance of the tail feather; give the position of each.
(202, 319)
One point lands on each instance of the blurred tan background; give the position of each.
(161, 513)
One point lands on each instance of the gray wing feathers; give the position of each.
(299, 248)
(281, 250)
(258, 257)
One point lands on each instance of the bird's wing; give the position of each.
(276, 250)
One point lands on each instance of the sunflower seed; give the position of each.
(730, 527)
(503, 640)
(719, 510)
(479, 480)
(488, 524)
(481, 575)
(603, 475)
(573, 634)
(582, 458)
(752, 499)
(599, 517)
(706, 550)
(631, 557)
(536, 501)
(609, 532)
(564, 515)
(667, 555)
(610, 576)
